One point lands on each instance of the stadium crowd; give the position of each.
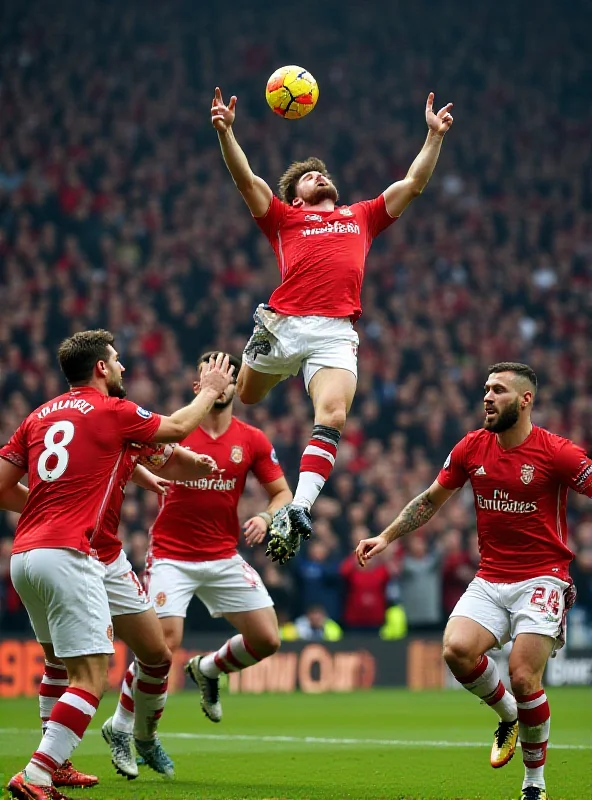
(116, 211)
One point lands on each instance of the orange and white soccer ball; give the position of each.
(292, 92)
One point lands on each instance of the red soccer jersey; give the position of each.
(73, 448)
(520, 500)
(198, 520)
(322, 255)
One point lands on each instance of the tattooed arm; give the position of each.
(415, 514)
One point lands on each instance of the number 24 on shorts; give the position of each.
(546, 599)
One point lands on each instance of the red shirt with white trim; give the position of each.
(73, 449)
(520, 500)
(198, 520)
(322, 255)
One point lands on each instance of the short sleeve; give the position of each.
(265, 465)
(16, 450)
(376, 215)
(136, 424)
(574, 468)
(271, 222)
(454, 473)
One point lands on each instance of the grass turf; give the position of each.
(428, 746)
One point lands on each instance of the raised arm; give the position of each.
(398, 195)
(415, 514)
(256, 193)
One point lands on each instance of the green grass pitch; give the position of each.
(371, 745)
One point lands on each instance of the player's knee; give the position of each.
(268, 644)
(458, 655)
(522, 680)
(333, 415)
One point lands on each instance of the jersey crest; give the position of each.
(526, 473)
(236, 454)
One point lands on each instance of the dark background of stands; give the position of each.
(116, 211)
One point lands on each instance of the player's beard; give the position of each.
(505, 420)
(115, 388)
(220, 405)
(320, 193)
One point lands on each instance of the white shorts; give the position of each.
(125, 592)
(224, 586)
(281, 345)
(536, 605)
(64, 594)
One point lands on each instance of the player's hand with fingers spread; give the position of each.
(438, 123)
(217, 374)
(222, 114)
(255, 530)
(368, 548)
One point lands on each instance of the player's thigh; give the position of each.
(253, 385)
(143, 634)
(332, 391)
(481, 605)
(231, 585)
(171, 585)
(257, 626)
(31, 599)
(536, 606)
(68, 604)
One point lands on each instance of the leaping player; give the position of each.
(321, 250)
(520, 475)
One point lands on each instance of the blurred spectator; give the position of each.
(316, 570)
(316, 625)
(421, 585)
(457, 569)
(365, 590)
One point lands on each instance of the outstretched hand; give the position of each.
(368, 548)
(437, 123)
(222, 114)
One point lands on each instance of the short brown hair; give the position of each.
(79, 353)
(234, 361)
(290, 178)
(523, 370)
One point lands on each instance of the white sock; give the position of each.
(233, 656)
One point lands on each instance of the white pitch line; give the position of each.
(243, 737)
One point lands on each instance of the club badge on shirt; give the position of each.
(236, 454)
(526, 473)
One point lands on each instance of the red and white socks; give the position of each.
(316, 464)
(534, 722)
(149, 692)
(233, 656)
(123, 719)
(485, 683)
(53, 685)
(68, 720)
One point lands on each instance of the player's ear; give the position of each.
(195, 387)
(101, 367)
(297, 202)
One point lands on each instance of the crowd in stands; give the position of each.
(116, 211)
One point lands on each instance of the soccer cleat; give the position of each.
(155, 757)
(289, 525)
(68, 775)
(123, 757)
(19, 787)
(533, 793)
(504, 743)
(259, 344)
(208, 687)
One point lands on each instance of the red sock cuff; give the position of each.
(82, 693)
(477, 672)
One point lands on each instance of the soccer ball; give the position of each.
(291, 92)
